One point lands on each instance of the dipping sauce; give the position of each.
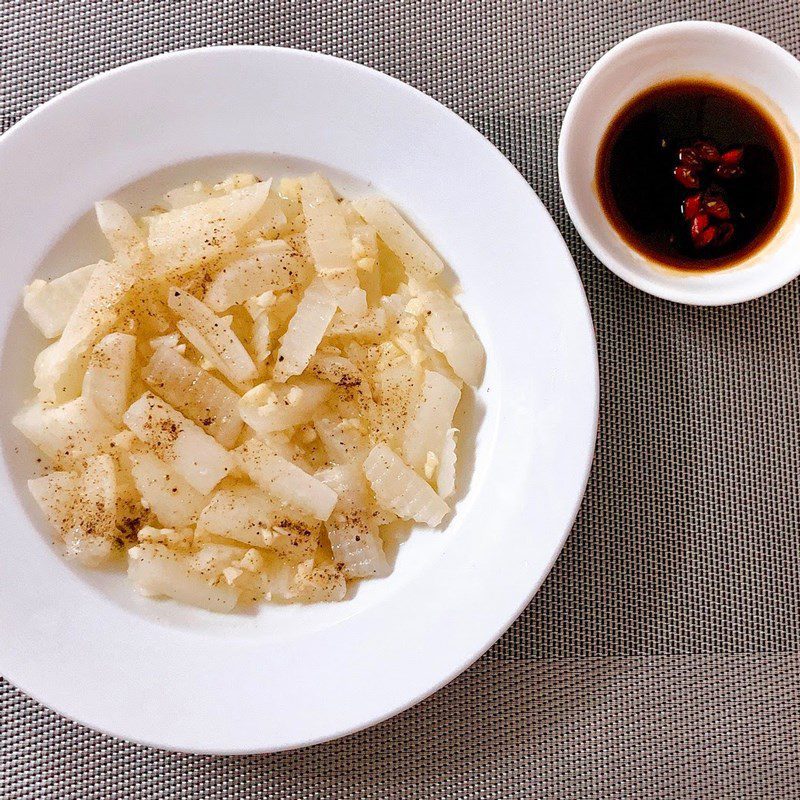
(695, 175)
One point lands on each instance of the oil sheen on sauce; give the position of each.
(694, 175)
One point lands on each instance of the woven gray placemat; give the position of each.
(660, 659)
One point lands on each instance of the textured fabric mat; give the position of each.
(661, 657)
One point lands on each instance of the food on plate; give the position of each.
(695, 174)
(257, 380)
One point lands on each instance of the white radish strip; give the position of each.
(446, 474)
(353, 535)
(107, 381)
(232, 360)
(93, 316)
(449, 331)
(185, 237)
(326, 226)
(323, 583)
(65, 433)
(346, 288)
(398, 488)
(369, 326)
(274, 406)
(261, 337)
(82, 508)
(50, 303)
(157, 571)
(246, 514)
(126, 238)
(179, 443)
(417, 256)
(55, 495)
(432, 417)
(268, 266)
(92, 535)
(306, 329)
(284, 480)
(343, 440)
(166, 493)
(196, 394)
(187, 195)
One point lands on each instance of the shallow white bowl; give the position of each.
(280, 677)
(681, 49)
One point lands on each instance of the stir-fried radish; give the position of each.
(107, 381)
(195, 393)
(231, 356)
(306, 329)
(267, 266)
(297, 366)
(399, 489)
(418, 257)
(326, 227)
(179, 442)
(285, 481)
(50, 303)
(273, 406)
(165, 491)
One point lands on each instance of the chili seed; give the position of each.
(727, 172)
(689, 157)
(707, 152)
(687, 177)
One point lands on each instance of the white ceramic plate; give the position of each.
(281, 677)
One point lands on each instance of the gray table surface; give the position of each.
(661, 658)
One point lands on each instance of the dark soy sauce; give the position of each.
(694, 175)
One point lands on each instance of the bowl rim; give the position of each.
(676, 291)
(592, 390)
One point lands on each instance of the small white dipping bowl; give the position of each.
(730, 55)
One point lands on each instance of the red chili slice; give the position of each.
(691, 206)
(724, 233)
(718, 208)
(699, 224)
(705, 237)
(732, 157)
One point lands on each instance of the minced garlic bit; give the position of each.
(257, 305)
(431, 464)
(294, 396)
(231, 574)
